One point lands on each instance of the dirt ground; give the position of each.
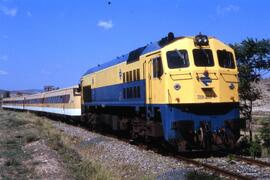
(30, 148)
(35, 147)
(23, 152)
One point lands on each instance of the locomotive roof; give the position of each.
(133, 55)
(136, 53)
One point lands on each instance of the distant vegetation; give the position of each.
(253, 59)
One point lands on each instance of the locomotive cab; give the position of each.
(193, 81)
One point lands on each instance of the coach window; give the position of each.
(177, 59)
(225, 59)
(157, 67)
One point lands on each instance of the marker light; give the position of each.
(177, 86)
(231, 86)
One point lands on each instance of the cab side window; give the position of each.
(157, 67)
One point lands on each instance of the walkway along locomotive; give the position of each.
(183, 90)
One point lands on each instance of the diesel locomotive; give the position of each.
(178, 90)
(183, 90)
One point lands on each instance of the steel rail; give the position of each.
(215, 169)
(252, 161)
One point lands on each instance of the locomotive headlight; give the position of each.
(177, 86)
(201, 40)
(231, 86)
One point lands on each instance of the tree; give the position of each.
(253, 60)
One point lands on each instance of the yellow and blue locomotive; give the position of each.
(181, 89)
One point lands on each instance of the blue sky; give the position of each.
(53, 42)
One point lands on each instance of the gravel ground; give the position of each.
(125, 159)
(130, 161)
(254, 171)
(47, 163)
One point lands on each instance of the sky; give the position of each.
(54, 42)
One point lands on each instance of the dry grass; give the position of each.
(21, 129)
(12, 128)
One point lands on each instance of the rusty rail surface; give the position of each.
(252, 161)
(215, 169)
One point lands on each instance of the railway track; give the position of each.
(189, 159)
(252, 161)
(214, 168)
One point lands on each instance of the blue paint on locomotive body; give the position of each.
(112, 96)
(176, 113)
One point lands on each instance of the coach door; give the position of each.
(155, 94)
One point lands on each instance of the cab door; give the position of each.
(155, 80)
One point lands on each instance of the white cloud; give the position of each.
(8, 11)
(105, 24)
(3, 72)
(4, 58)
(227, 9)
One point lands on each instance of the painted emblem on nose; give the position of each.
(206, 80)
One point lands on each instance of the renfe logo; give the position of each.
(206, 80)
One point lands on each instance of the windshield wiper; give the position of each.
(206, 55)
(181, 56)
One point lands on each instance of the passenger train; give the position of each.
(183, 90)
(65, 101)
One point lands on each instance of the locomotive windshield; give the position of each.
(177, 59)
(225, 59)
(203, 57)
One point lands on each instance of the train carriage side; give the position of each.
(34, 102)
(13, 103)
(63, 101)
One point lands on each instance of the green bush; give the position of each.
(255, 148)
(265, 135)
